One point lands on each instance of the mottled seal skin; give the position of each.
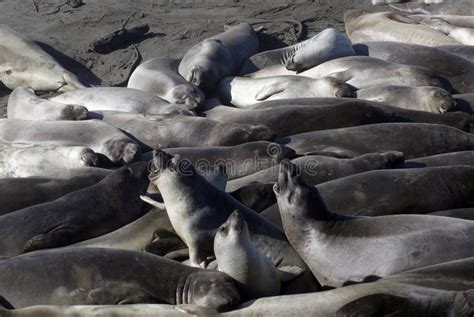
(448, 7)
(80, 215)
(237, 256)
(23, 160)
(106, 276)
(458, 72)
(99, 136)
(413, 139)
(19, 193)
(365, 72)
(326, 45)
(290, 117)
(25, 64)
(243, 91)
(160, 77)
(316, 169)
(24, 104)
(385, 245)
(461, 213)
(167, 131)
(445, 159)
(239, 160)
(361, 194)
(121, 99)
(362, 26)
(206, 207)
(430, 99)
(220, 56)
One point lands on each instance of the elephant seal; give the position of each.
(413, 139)
(121, 99)
(456, 20)
(242, 91)
(362, 26)
(326, 45)
(217, 57)
(464, 51)
(321, 237)
(463, 35)
(26, 64)
(383, 2)
(365, 72)
(197, 218)
(361, 194)
(293, 116)
(316, 169)
(238, 160)
(456, 72)
(445, 159)
(461, 213)
(24, 104)
(99, 136)
(237, 256)
(80, 215)
(167, 131)
(160, 77)
(449, 7)
(19, 193)
(430, 99)
(100, 276)
(23, 160)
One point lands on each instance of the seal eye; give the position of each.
(8, 72)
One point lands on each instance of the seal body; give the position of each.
(242, 91)
(362, 26)
(25, 64)
(326, 45)
(430, 99)
(99, 276)
(322, 237)
(99, 136)
(445, 159)
(121, 99)
(19, 193)
(160, 77)
(22, 160)
(463, 35)
(24, 104)
(219, 56)
(166, 131)
(409, 138)
(448, 7)
(80, 215)
(237, 256)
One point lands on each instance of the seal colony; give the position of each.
(331, 177)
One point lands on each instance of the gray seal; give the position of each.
(80, 215)
(97, 276)
(160, 77)
(197, 218)
(463, 35)
(24, 104)
(448, 7)
(326, 45)
(97, 135)
(413, 139)
(26, 64)
(121, 99)
(385, 245)
(445, 159)
(220, 56)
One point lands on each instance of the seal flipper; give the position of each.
(375, 305)
(153, 202)
(289, 272)
(270, 90)
(120, 294)
(5, 304)
(196, 310)
(53, 239)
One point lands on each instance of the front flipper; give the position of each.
(289, 273)
(53, 239)
(115, 293)
(270, 90)
(376, 305)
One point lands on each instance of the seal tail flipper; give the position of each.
(375, 305)
(289, 273)
(270, 90)
(53, 239)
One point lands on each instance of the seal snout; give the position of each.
(161, 160)
(89, 158)
(236, 221)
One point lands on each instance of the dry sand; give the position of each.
(175, 25)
